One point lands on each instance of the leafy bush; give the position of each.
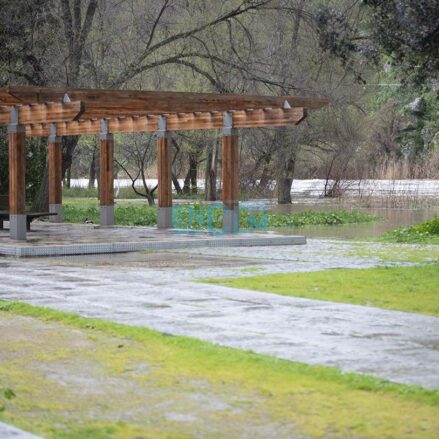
(312, 218)
(428, 231)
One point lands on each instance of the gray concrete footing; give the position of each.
(179, 243)
(107, 215)
(17, 227)
(55, 208)
(164, 217)
(230, 220)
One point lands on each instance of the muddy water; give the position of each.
(393, 217)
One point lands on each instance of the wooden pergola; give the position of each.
(56, 112)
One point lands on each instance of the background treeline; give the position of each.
(376, 60)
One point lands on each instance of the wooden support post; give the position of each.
(230, 175)
(55, 175)
(17, 173)
(106, 176)
(164, 175)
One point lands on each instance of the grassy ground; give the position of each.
(411, 289)
(63, 376)
(396, 253)
(197, 216)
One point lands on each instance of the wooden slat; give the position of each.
(55, 173)
(17, 172)
(119, 102)
(44, 113)
(230, 171)
(106, 173)
(187, 121)
(164, 172)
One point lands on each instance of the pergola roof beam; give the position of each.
(188, 121)
(43, 113)
(107, 103)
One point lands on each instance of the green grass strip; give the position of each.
(198, 355)
(411, 289)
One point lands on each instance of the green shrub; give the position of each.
(313, 218)
(427, 231)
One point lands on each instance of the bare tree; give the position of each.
(137, 155)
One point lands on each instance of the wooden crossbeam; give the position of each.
(112, 103)
(43, 113)
(175, 122)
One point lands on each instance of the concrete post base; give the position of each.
(164, 217)
(107, 215)
(17, 227)
(55, 208)
(230, 220)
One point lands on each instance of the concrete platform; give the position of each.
(82, 239)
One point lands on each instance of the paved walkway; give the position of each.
(401, 347)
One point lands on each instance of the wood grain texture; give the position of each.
(106, 173)
(55, 173)
(176, 122)
(230, 171)
(153, 101)
(17, 172)
(164, 172)
(43, 113)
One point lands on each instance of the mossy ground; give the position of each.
(82, 378)
(411, 289)
(397, 253)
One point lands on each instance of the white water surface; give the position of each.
(316, 187)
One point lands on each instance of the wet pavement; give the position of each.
(158, 291)
(9, 432)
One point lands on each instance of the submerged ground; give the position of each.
(64, 376)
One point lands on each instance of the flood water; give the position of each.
(393, 217)
(399, 202)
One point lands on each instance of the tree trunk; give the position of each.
(186, 184)
(193, 170)
(150, 199)
(92, 172)
(285, 182)
(286, 162)
(176, 183)
(265, 176)
(68, 146)
(68, 177)
(211, 173)
(284, 190)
